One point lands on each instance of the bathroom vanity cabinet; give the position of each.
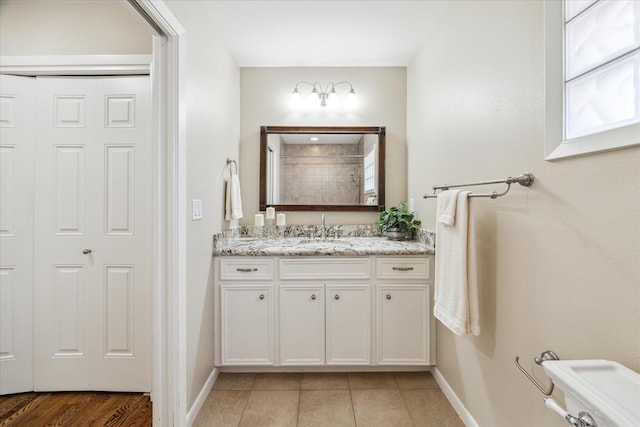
(332, 299)
(403, 298)
(324, 311)
(245, 294)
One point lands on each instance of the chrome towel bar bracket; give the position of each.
(547, 355)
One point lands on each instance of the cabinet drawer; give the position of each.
(402, 268)
(318, 269)
(246, 269)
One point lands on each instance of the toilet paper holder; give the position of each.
(546, 355)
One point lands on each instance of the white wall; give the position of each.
(213, 128)
(559, 263)
(265, 94)
(39, 27)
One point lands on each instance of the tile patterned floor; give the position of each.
(383, 399)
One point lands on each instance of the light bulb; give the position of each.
(352, 99)
(295, 100)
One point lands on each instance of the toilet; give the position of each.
(608, 391)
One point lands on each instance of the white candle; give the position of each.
(282, 219)
(259, 220)
(271, 213)
(412, 206)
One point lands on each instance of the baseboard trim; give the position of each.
(451, 396)
(323, 368)
(202, 396)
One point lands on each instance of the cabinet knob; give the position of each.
(86, 251)
(388, 296)
(261, 296)
(337, 296)
(313, 297)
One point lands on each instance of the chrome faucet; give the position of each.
(323, 228)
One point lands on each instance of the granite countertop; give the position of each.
(304, 246)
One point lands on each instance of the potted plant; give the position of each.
(397, 223)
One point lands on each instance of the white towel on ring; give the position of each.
(233, 199)
(456, 293)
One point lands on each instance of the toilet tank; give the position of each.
(608, 391)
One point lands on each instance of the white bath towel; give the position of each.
(233, 199)
(456, 293)
(446, 206)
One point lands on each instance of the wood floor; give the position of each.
(75, 409)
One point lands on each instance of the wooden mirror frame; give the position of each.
(378, 130)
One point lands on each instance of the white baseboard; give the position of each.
(202, 396)
(451, 396)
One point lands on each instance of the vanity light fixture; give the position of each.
(323, 97)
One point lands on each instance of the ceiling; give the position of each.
(323, 33)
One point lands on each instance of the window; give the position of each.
(370, 171)
(593, 101)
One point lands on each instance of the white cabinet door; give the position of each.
(348, 311)
(403, 324)
(246, 324)
(301, 325)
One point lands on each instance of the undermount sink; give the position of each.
(608, 391)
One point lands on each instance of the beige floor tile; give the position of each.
(371, 381)
(271, 408)
(231, 381)
(277, 381)
(430, 408)
(325, 381)
(321, 408)
(413, 380)
(222, 408)
(380, 408)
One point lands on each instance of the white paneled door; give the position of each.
(16, 233)
(93, 234)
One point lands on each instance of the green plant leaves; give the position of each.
(398, 217)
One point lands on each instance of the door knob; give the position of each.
(86, 251)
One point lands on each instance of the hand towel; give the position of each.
(446, 206)
(473, 317)
(456, 294)
(233, 199)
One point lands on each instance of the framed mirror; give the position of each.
(317, 168)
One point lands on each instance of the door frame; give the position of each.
(167, 66)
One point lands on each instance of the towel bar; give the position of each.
(526, 179)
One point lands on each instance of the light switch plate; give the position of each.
(196, 209)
